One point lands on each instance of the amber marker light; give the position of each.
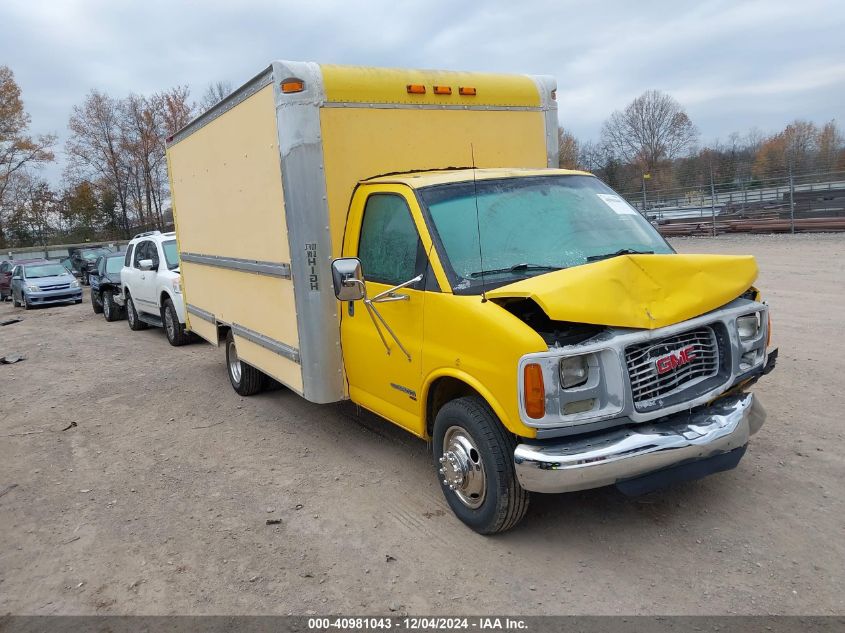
(293, 85)
(442, 90)
(416, 89)
(535, 391)
(466, 91)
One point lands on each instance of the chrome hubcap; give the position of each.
(234, 363)
(461, 467)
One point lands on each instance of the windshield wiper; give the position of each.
(514, 269)
(621, 251)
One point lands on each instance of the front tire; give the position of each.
(111, 310)
(15, 302)
(135, 323)
(97, 301)
(474, 454)
(85, 280)
(176, 334)
(246, 380)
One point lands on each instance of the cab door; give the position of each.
(382, 343)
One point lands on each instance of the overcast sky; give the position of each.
(733, 65)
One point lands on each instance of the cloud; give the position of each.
(732, 65)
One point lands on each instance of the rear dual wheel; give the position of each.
(246, 380)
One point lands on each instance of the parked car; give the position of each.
(83, 260)
(67, 262)
(43, 283)
(152, 285)
(105, 284)
(6, 268)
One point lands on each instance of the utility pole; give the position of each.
(646, 176)
(712, 199)
(791, 200)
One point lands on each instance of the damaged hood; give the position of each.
(637, 291)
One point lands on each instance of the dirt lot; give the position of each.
(157, 501)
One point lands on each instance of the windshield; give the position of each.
(170, 254)
(94, 253)
(45, 270)
(114, 264)
(531, 225)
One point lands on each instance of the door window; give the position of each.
(128, 259)
(389, 249)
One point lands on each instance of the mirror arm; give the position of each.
(390, 293)
(372, 310)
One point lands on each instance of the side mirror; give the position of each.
(145, 264)
(348, 279)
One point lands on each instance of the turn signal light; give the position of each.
(416, 89)
(466, 91)
(535, 391)
(442, 90)
(293, 85)
(769, 332)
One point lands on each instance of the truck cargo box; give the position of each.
(262, 182)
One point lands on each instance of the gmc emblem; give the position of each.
(673, 360)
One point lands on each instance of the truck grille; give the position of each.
(670, 365)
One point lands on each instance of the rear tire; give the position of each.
(135, 323)
(477, 459)
(176, 334)
(246, 380)
(97, 301)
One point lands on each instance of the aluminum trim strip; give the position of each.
(199, 312)
(241, 94)
(428, 106)
(282, 349)
(273, 269)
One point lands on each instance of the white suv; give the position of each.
(152, 289)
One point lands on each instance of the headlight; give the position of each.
(574, 371)
(33, 289)
(177, 285)
(74, 284)
(748, 326)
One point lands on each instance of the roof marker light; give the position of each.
(292, 84)
(442, 90)
(416, 89)
(466, 91)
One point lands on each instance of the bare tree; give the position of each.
(651, 129)
(18, 150)
(568, 146)
(829, 143)
(96, 151)
(214, 94)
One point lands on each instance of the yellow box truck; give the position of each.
(403, 239)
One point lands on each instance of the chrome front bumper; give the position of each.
(603, 459)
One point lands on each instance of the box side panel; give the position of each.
(365, 142)
(232, 232)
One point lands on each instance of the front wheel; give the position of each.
(135, 323)
(111, 310)
(246, 380)
(474, 455)
(15, 302)
(176, 334)
(97, 301)
(85, 280)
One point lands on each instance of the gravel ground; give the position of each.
(156, 502)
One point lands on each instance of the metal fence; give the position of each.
(795, 198)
